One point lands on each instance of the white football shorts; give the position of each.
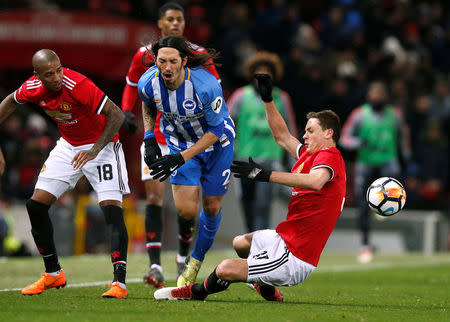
(271, 262)
(107, 173)
(145, 172)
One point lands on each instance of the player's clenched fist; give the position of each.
(264, 84)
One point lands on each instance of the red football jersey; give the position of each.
(75, 108)
(312, 214)
(136, 70)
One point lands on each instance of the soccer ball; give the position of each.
(386, 196)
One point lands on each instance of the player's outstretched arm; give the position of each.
(7, 106)
(314, 180)
(277, 125)
(113, 124)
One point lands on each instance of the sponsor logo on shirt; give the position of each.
(182, 118)
(59, 116)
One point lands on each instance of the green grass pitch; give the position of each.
(409, 287)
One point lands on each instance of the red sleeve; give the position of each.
(89, 95)
(212, 69)
(325, 159)
(129, 98)
(25, 92)
(137, 69)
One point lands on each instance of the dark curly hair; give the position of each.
(264, 58)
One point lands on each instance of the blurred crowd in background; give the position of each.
(331, 51)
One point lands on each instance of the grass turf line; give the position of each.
(397, 288)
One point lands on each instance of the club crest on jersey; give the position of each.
(217, 104)
(189, 104)
(300, 168)
(65, 106)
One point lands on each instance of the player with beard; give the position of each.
(199, 133)
(171, 22)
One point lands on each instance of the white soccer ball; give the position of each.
(386, 196)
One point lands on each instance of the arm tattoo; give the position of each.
(149, 116)
(113, 124)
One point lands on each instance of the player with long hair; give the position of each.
(199, 133)
(171, 21)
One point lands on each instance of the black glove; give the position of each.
(163, 167)
(129, 122)
(250, 170)
(152, 151)
(264, 85)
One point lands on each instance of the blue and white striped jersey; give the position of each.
(188, 112)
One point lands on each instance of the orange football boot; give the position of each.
(116, 291)
(44, 283)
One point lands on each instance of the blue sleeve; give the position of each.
(217, 130)
(214, 105)
(145, 87)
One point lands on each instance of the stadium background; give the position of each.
(331, 50)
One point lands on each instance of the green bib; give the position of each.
(253, 135)
(380, 136)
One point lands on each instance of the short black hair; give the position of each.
(169, 6)
(328, 120)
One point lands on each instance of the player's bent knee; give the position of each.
(211, 211)
(187, 214)
(105, 203)
(237, 241)
(241, 245)
(232, 270)
(155, 199)
(224, 269)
